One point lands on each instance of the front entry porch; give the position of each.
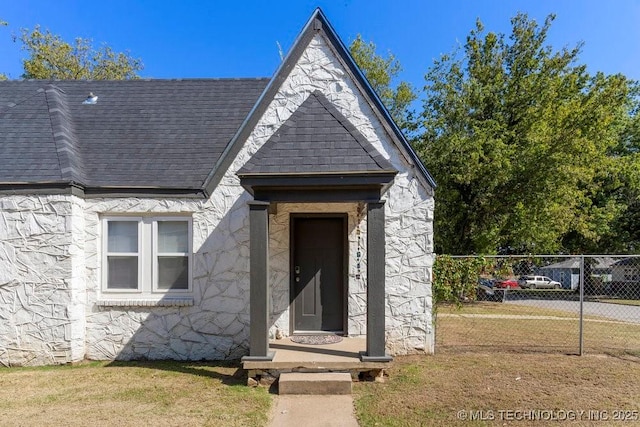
(317, 157)
(331, 319)
(344, 356)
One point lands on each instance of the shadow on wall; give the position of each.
(215, 327)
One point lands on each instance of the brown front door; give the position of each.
(318, 274)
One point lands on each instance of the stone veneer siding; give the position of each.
(52, 309)
(41, 280)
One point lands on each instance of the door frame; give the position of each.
(293, 217)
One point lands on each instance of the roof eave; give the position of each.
(80, 190)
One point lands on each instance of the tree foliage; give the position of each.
(50, 57)
(382, 73)
(455, 280)
(520, 140)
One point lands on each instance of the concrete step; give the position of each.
(314, 383)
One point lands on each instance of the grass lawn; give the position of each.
(506, 360)
(491, 357)
(501, 309)
(131, 394)
(432, 390)
(488, 326)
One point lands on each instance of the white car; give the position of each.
(538, 282)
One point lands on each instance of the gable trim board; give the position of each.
(53, 228)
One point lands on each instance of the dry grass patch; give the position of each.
(510, 327)
(431, 390)
(499, 308)
(131, 394)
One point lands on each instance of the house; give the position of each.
(200, 219)
(567, 272)
(625, 278)
(626, 270)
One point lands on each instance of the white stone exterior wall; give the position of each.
(52, 308)
(216, 325)
(41, 290)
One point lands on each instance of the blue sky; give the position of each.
(182, 39)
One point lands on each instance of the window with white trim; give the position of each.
(146, 256)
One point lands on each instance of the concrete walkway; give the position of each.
(296, 410)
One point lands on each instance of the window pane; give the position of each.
(173, 236)
(173, 272)
(122, 272)
(123, 236)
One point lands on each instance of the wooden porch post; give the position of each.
(259, 283)
(375, 284)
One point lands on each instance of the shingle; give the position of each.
(317, 138)
(159, 133)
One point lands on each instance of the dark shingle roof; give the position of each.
(27, 147)
(140, 133)
(317, 138)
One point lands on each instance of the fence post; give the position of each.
(581, 320)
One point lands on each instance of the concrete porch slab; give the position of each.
(293, 357)
(343, 355)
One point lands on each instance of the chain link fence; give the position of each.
(568, 304)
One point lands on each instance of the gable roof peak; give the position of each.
(318, 24)
(316, 139)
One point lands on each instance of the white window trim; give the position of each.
(147, 259)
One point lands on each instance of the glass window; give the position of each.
(123, 272)
(173, 272)
(173, 255)
(173, 236)
(148, 256)
(123, 236)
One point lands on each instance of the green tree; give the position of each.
(622, 186)
(50, 57)
(382, 73)
(519, 138)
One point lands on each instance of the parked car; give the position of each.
(538, 282)
(489, 283)
(507, 283)
(486, 290)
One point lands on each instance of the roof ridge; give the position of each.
(64, 137)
